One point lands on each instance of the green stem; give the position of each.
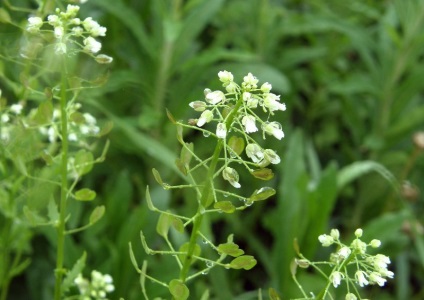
(198, 218)
(63, 190)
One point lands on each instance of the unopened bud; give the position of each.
(418, 139)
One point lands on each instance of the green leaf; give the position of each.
(162, 227)
(230, 249)
(83, 162)
(170, 116)
(52, 211)
(44, 113)
(178, 290)
(157, 176)
(236, 144)
(33, 217)
(68, 282)
(225, 206)
(177, 223)
(246, 262)
(85, 194)
(149, 200)
(181, 166)
(97, 214)
(106, 128)
(263, 174)
(262, 194)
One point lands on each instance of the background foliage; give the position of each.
(350, 73)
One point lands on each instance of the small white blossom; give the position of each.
(359, 245)
(375, 278)
(58, 32)
(249, 124)
(271, 101)
(205, 117)
(60, 48)
(375, 243)
(254, 152)
(358, 232)
(231, 87)
(77, 31)
(344, 252)
(5, 118)
(336, 278)
(381, 261)
(266, 87)
(350, 296)
(326, 240)
(198, 105)
(54, 20)
(273, 128)
(16, 108)
(34, 24)
(221, 131)
(249, 82)
(231, 176)
(335, 233)
(215, 97)
(91, 45)
(271, 156)
(361, 279)
(225, 76)
(103, 59)
(93, 28)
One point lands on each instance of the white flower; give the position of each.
(335, 233)
(266, 87)
(58, 32)
(205, 117)
(360, 278)
(375, 278)
(198, 105)
(91, 45)
(381, 261)
(16, 108)
(215, 97)
(72, 137)
(358, 232)
(254, 152)
(71, 11)
(76, 21)
(375, 243)
(344, 252)
(5, 118)
(271, 102)
(232, 176)
(34, 24)
(103, 59)
(225, 76)
(273, 128)
(77, 31)
(249, 82)
(350, 296)
(93, 27)
(249, 124)
(231, 87)
(271, 156)
(336, 278)
(326, 240)
(359, 245)
(221, 131)
(54, 20)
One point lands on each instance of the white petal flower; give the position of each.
(271, 101)
(360, 278)
(254, 152)
(16, 108)
(232, 176)
(344, 252)
(34, 24)
(273, 128)
(249, 82)
(326, 240)
(205, 117)
(91, 45)
(381, 261)
(375, 243)
(336, 278)
(221, 131)
(271, 156)
(249, 124)
(225, 76)
(375, 278)
(54, 20)
(58, 32)
(359, 245)
(198, 105)
(231, 87)
(266, 87)
(335, 233)
(215, 97)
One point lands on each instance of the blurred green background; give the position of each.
(351, 74)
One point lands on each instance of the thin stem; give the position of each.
(198, 218)
(63, 189)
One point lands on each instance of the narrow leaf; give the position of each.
(75, 271)
(97, 214)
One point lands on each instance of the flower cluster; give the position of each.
(235, 110)
(80, 125)
(97, 289)
(69, 30)
(368, 269)
(6, 118)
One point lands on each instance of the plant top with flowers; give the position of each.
(232, 118)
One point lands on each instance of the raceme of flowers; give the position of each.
(69, 30)
(245, 98)
(98, 288)
(369, 269)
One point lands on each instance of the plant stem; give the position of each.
(63, 189)
(205, 195)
